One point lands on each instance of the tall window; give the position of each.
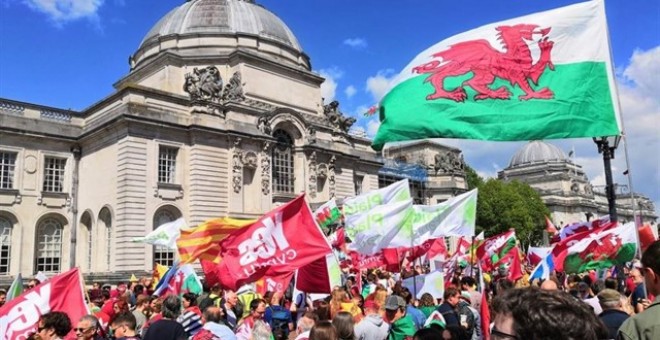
(5, 244)
(358, 185)
(7, 166)
(49, 246)
(89, 248)
(86, 228)
(105, 220)
(283, 163)
(162, 254)
(54, 174)
(167, 164)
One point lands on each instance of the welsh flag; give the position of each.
(327, 214)
(509, 81)
(494, 248)
(598, 249)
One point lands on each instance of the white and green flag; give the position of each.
(165, 235)
(380, 227)
(453, 217)
(546, 75)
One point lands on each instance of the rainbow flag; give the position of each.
(202, 242)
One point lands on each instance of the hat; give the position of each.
(370, 304)
(394, 302)
(607, 295)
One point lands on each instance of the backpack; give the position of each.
(279, 320)
(464, 311)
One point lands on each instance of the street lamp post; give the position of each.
(606, 146)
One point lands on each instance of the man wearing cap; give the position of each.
(613, 315)
(401, 325)
(372, 327)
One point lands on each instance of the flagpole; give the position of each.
(472, 251)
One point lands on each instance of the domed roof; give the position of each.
(220, 25)
(537, 152)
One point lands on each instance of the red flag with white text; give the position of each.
(280, 242)
(62, 293)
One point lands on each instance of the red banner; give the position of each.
(63, 293)
(282, 241)
(277, 284)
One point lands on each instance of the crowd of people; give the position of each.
(572, 307)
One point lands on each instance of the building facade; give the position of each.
(566, 189)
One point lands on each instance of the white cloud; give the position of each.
(379, 84)
(350, 91)
(61, 11)
(643, 71)
(372, 126)
(356, 42)
(329, 86)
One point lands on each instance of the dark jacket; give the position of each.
(613, 318)
(449, 313)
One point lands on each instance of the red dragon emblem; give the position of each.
(515, 64)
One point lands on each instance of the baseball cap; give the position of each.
(394, 302)
(607, 295)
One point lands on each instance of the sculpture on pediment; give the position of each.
(336, 118)
(449, 163)
(204, 84)
(589, 189)
(234, 88)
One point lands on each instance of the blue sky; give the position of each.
(68, 53)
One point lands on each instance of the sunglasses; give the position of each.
(30, 286)
(81, 330)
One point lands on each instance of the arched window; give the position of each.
(283, 163)
(162, 254)
(5, 244)
(105, 222)
(49, 246)
(86, 227)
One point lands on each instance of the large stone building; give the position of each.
(565, 188)
(220, 115)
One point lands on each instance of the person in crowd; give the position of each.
(191, 318)
(428, 334)
(401, 326)
(155, 313)
(549, 284)
(344, 325)
(646, 325)
(502, 285)
(612, 283)
(448, 308)
(136, 292)
(305, 325)
(351, 287)
(322, 310)
(214, 328)
(531, 313)
(584, 294)
(87, 328)
(453, 332)
(469, 284)
(470, 318)
(300, 304)
(230, 309)
(261, 331)
(245, 295)
(638, 293)
(427, 304)
(256, 312)
(123, 327)
(167, 328)
(379, 296)
(53, 326)
(213, 299)
(323, 330)
(32, 283)
(3, 297)
(415, 314)
(278, 317)
(370, 285)
(372, 327)
(341, 303)
(612, 315)
(141, 304)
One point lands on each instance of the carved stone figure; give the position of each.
(575, 187)
(331, 175)
(311, 135)
(336, 118)
(204, 84)
(265, 169)
(250, 160)
(234, 89)
(312, 186)
(589, 189)
(263, 124)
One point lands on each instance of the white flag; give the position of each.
(165, 235)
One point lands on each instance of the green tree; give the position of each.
(473, 179)
(504, 205)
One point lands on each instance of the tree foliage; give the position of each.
(505, 205)
(473, 179)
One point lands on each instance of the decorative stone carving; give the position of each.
(311, 135)
(263, 124)
(234, 89)
(312, 186)
(449, 163)
(322, 171)
(250, 160)
(589, 189)
(237, 166)
(265, 169)
(575, 187)
(331, 176)
(204, 84)
(337, 119)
